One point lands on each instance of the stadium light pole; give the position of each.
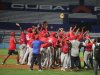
(64, 17)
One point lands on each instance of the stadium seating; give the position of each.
(52, 2)
(92, 2)
(30, 17)
(82, 15)
(7, 35)
(5, 42)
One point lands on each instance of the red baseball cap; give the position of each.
(12, 33)
(37, 37)
(53, 33)
(29, 30)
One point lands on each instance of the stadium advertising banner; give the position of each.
(50, 8)
(44, 8)
(30, 7)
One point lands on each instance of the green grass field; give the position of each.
(44, 72)
(5, 52)
(14, 71)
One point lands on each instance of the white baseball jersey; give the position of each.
(75, 48)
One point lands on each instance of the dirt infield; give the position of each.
(11, 57)
(18, 66)
(14, 66)
(14, 57)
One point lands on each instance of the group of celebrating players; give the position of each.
(53, 49)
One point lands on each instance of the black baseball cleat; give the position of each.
(30, 69)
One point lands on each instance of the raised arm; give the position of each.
(17, 24)
(74, 28)
(77, 31)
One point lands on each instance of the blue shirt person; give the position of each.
(36, 44)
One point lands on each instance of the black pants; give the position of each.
(34, 57)
(75, 62)
(55, 56)
(96, 64)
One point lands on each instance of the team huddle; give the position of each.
(49, 49)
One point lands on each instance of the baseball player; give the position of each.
(28, 37)
(12, 48)
(22, 46)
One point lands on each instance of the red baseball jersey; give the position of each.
(12, 43)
